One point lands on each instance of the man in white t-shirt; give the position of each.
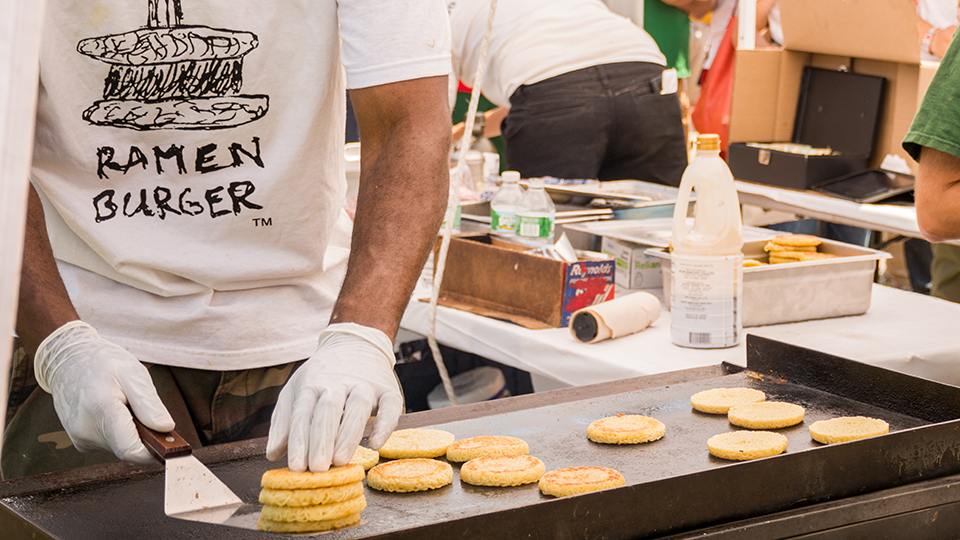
(586, 89)
(187, 206)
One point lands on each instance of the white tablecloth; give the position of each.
(903, 331)
(896, 219)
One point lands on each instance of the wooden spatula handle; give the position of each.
(162, 445)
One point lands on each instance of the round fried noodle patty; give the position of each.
(719, 400)
(744, 445)
(310, 497)
(416, 443)
(512, 470)
(766, 415)
(796, 240)
(626, 429)
(495, 445)
(287, 479)
(847, 428)
(365, 457)
(320, 512)
(574, 480)
(270, 525)
(404, 475)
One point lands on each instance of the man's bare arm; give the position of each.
(44, 304)
(404, 178)
(937, 195)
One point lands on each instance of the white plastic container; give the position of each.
(506, 203)
(457, 213)
(491, 168)
(707, 263)
(535, 221)
(481, 384)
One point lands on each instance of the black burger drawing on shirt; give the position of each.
(173, 76)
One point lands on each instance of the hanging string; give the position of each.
(454, 202)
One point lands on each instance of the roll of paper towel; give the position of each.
(615, 318)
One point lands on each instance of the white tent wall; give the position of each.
(20, 23)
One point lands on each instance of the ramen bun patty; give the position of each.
(766, 415)
(502, 470)
(495, 445)
(335, 476)
(311, 497)
(719, 400)
(416, 443)
(574, 480)
(270, 525)
(793, 242)
(365, 457)
(320, 512)
(745, 445)
(847, 428)
(625, 429)
(413, 474)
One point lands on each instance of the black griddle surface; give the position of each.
(556, 434)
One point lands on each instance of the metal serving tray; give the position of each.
(632, 191)
(673, 485)
(655, 232)
(629, 199)
(801, 291)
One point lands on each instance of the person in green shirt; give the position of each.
(670, 28)
(934, 141)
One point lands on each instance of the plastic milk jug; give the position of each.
(506, 203)
(706, 264)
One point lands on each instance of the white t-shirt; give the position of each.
(191, 169)
(719, 19)
(533, 40)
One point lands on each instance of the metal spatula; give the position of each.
(191, 491)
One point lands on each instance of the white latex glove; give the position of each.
(92, 382)
(323, 408)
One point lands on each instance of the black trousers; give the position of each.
(608, 122)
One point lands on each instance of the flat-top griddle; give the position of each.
(673, 485)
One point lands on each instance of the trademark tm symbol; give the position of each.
(262, 222)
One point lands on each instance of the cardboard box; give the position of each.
(878, 38)
(505, 281)
(634, 268)
(875, 29)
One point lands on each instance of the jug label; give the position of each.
(706, 296)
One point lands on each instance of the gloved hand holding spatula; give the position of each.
(92, 382)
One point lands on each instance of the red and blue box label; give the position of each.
(586, 283)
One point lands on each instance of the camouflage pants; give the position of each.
(209, 407)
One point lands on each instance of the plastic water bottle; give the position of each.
(459, 210)
(535, 218)
(506, 203)
(491, 175)
(491, 168)
(706, 263)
